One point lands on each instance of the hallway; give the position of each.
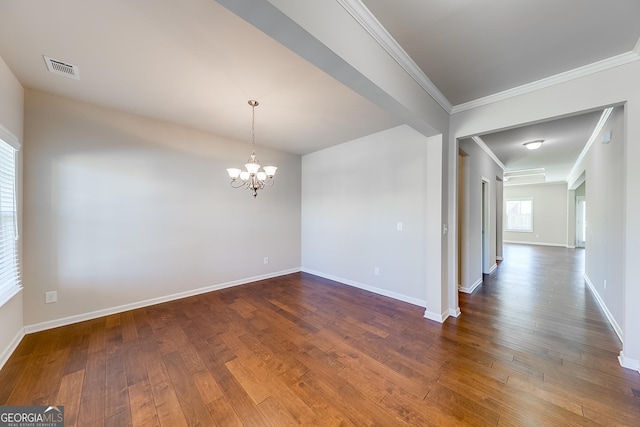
(538, 328)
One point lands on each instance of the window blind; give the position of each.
(9, 268)
(520, 215)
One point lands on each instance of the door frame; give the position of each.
(581, 218)
(485, 226)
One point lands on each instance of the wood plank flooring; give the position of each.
(531, 348)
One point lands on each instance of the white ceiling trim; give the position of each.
(596, 131)
(524, 172)
(487, 150)
(375, 29)
(372, 26)
(507, 184)
(605, 64)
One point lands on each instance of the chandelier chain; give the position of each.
(253, 125)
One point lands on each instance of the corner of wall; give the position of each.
(12, 123)
(604, 308)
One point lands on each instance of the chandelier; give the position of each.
(252, 178)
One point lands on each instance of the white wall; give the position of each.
(478, 166)
(549, 214)
(353, 196)
(11, 122)
(614, 86)
(121, 211)
(604, 193)
(11, 102)
(499, 218)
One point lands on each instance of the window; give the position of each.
(520, 215)
(9, 271)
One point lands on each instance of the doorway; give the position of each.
(581, 221)
(486, 237)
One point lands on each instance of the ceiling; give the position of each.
(564, 140)
(471, 49)
(190, 62)
(195, 63)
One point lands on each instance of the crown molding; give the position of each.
(524, 172)
(545, 183)
(594, 135)
(605, 64)
(487, 150)
(375, 29)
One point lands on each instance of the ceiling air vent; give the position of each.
(59, 67)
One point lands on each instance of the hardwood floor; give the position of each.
(530, 348)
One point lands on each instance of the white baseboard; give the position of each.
(472, 288)
(629, 363)
(153, 301)
(493, 268)
(561, 245)
(499, 258)
(570, 246)
(604, 308)
(455, 312)
(440, 318)
(7, 352)
(379, 291)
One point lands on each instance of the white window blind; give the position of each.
(520, 215)
(9, 269)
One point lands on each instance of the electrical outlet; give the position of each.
(399, 226)
(266, 260)
(605, 284)
(376, 271)
(50, 297)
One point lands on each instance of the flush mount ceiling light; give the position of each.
(534, 145)
(253, 178)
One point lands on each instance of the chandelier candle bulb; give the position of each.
(252, 168)
(252, 178)
(270, 170)
(234, 173)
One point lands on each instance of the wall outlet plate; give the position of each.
(50, 297)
